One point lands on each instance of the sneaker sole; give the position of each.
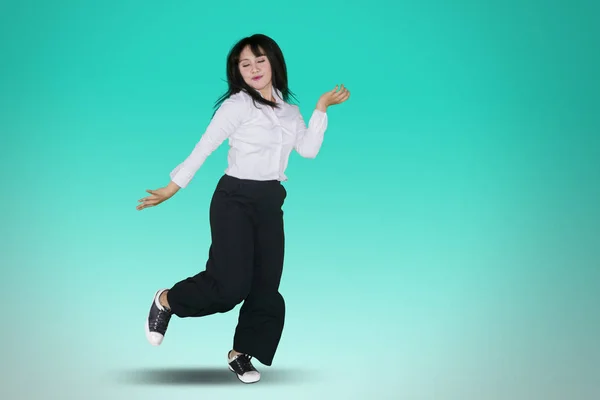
(147, 327)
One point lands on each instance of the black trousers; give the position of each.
(245, 264)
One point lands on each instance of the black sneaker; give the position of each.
(157, 321)
(243, 368)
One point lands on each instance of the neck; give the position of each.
(267, 92)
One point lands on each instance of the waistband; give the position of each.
(230, 178)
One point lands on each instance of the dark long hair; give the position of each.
(236, 82)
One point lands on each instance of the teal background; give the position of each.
(445, 243)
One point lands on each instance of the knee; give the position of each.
(267, 300)
(232, 295)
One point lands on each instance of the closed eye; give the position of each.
(259, 61)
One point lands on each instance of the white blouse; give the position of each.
(260, 139)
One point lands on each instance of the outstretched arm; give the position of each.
(226, 120)
(310, 138)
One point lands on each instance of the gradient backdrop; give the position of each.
(445, 243)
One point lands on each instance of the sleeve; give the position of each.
(228, 117)
(309, 139)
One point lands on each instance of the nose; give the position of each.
(255, 68)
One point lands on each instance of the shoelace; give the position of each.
(244, 362)
(162, 320)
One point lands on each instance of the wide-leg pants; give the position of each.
(245, 264)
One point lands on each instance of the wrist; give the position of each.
(321, 107)
(172, 188)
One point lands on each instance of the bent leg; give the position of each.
(226, 280)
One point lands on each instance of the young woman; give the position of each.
(246, 255)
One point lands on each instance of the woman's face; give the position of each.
(256, 71)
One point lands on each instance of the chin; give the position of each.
(257, 85)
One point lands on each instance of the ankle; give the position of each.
(162, 299)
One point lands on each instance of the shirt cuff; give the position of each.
(318, 121)
(181, 177)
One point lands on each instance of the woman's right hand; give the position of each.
(157, 196)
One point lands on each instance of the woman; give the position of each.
(246, 255)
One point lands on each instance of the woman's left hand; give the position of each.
(333, 97)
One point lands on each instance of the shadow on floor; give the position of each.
(206, 376)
